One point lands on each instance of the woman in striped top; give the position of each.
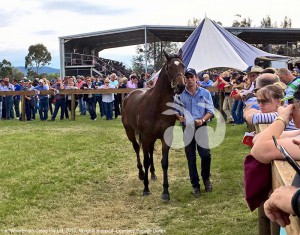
(269, 98)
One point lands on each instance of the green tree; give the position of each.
(194, 22)
(266, 23)
(17, 74)
(5, 68)
(241, 23)
(138, 61)
(38, 56)
(287, 23)
(155, 59)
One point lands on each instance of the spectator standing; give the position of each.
(107, 99)
(28, 102)
(222, 82)
(238, 104)
(71, 86)
(141, 82)
(99, 82)
(90, 98)
(60, 100)
(133, 83)
(43, 100)
(207, 83)
(33, 100)
(17, 98)
(1, 98)
(114, 82)
(82, 103)
(9, 111)
(51, 98)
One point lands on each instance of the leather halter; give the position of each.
(179, 74)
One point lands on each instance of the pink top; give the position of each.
(130, 84)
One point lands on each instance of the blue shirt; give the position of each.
(42, 88)
(209, 83)
(18, 88)
(197, 105)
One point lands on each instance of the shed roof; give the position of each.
(136, 35)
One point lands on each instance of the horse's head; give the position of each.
(175, 71)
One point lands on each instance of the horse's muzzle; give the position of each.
(179, 88)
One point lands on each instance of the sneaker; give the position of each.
(208, 186)
(94, 119)
(196, 191)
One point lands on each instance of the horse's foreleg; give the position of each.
(139, 165)
(165, 165)
(152, 168)
(146, 166)
(131, 136)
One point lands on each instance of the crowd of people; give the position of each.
(109, 104)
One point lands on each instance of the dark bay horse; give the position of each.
(143, 117)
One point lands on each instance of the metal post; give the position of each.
(62, 57)
(146, 50)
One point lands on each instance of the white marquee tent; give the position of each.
(211, 46)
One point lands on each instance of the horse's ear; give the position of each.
(180, 53)
(166, 55)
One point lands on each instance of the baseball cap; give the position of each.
(190, 71)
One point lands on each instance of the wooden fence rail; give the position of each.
(122, 91)
(282, 175)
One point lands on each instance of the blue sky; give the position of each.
(28, 22)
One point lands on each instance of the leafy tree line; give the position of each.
(38, 56)
(155, 61)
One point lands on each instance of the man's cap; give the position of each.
(41, 80)
(1, 80)
(205, 75)
(190, 71)
(253, 69)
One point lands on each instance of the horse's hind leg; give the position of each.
(131, 136)
(152, 169)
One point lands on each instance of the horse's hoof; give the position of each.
(153, 177)
(146, 193)
(165, 197)
(141, 175)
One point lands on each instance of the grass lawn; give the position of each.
(81, 176)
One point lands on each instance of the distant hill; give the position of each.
(41, 70)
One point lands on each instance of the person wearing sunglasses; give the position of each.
(268, 99)
(108, 99)
(264, 149)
